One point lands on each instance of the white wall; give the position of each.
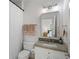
(66, 21)
(32, 11)
(65, 24)
(15, 36)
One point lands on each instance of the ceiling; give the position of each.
(44, 3)
(47, 3)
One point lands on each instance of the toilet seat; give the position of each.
(24, 54)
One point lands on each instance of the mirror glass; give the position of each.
(48, 27)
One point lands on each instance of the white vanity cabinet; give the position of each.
(42, 53)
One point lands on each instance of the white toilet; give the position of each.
(27, 49)
(24, 54)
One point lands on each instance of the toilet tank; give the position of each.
(28, 45)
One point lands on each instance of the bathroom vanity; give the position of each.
(50, 50)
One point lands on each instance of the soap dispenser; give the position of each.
(60, 40)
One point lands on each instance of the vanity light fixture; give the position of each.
(51, 9)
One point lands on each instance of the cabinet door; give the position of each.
(56, 55)
(40, 53)
(41, 56)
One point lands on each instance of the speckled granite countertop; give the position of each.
(53, 46)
